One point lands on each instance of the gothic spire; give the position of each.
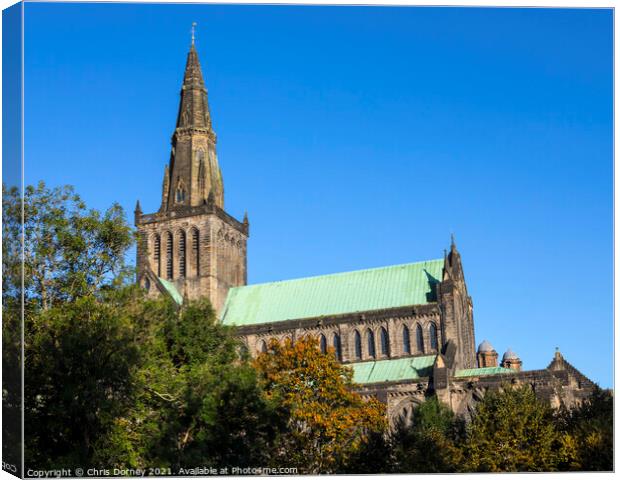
(193, 177)
(194, 106)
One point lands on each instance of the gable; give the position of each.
(335, 294)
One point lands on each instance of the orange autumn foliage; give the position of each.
(328, 422)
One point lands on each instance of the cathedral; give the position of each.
(405, 330)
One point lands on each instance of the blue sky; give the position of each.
(358, 137)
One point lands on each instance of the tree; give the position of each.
(77, 351)
(327, 423)
(590, 426)
(80, 360)
(197, 399)
(428, 442)
(68, 250)
(513, 431)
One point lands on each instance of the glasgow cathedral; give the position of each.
(405, 330)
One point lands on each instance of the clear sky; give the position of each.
(359, 137)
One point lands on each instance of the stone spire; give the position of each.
(194, 173)
(194, 105)
(453, 268)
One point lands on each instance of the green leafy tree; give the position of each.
(590, 428)
(327, 423)
(77, 357)
(69, 251)
(427, 443)
(513, 431)
(198, 401)
(80, 359)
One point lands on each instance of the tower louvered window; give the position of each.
(157, 255)
(169, 256)
(371, 343)
(406, 340)
(182, 256)
(419, 338)
(433, 336)
(358, 345)
(196, 250)
(385, 343)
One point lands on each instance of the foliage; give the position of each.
(68, 250)
(427, 443)
(198, 401)
(80, 359)
(513, 431)
(590, 428)
(327, 422)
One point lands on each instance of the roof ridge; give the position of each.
(336, 274)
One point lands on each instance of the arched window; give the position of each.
(169, 271)
(182, 256)
(432, 330)
(147, 284)
(371, 343)
(358, 345)
(196, 251)
(385, 343)
(406, 341)
(419, 338)
(262, 346)
(337, 348)
(157, 254)
(323, 343)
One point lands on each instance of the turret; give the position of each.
(137, 212)
(486, 356)
(456, 309)
(511, 360)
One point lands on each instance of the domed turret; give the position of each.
(511, 360)
(487, 356)
(510, 355)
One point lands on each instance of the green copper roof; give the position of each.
(475, 372)
(339, 293)
(409, 368)
(172, 290)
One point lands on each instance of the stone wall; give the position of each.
(345, 327)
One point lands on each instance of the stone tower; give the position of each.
(457, 310)
(487, 356)
(191, 246)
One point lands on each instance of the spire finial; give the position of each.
(452, 239)
(193, 32)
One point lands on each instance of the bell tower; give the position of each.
(190, 247)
